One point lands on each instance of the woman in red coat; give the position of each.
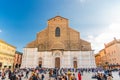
(79, 76)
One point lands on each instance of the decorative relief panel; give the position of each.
(57, 53)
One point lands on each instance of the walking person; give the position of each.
(26, 75)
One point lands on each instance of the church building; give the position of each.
(58, 46)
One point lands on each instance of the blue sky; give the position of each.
(98, 21)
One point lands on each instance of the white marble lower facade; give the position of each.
(31, 58)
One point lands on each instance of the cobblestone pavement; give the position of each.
(86, 76)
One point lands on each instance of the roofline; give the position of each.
(101, 50)
(17, 52)
(7, 43)
(57, 16)
(97, 54)
(112, 42)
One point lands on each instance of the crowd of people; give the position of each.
(38, 74)
(11, 74)
(105, 74)
(55, 73)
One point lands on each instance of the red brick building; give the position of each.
(17, 59)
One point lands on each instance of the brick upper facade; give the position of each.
(68, 40)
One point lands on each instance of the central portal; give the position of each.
(57, 62)
(75, 64)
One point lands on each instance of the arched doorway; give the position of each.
(57, 62)
(16, 66)
(75, 62)
(40, 62)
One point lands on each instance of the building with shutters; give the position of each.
(7, 53)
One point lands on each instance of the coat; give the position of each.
(79, 76)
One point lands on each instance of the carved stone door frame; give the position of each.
(57, 56)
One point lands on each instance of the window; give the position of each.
(57, 32)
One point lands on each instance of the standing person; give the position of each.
(33, 77)
(43, 76)
(50, 73)
(82, 72)
(13, 76)
(119, 73)
(109, 77)
(3, 75)
(37, 76)
(69, 74)
(73, 77)
(98, 76)
(66, 77)
(20, 75)
(63, 77)
(79, 76)
(9, 74)
(105, 77)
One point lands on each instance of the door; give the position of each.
(40, 64)
(75, 64)
(57, 62)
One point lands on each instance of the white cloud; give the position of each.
(111, 16)
(106, 36)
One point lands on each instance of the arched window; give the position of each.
(57, 32)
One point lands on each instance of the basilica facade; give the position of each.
(58, 46)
